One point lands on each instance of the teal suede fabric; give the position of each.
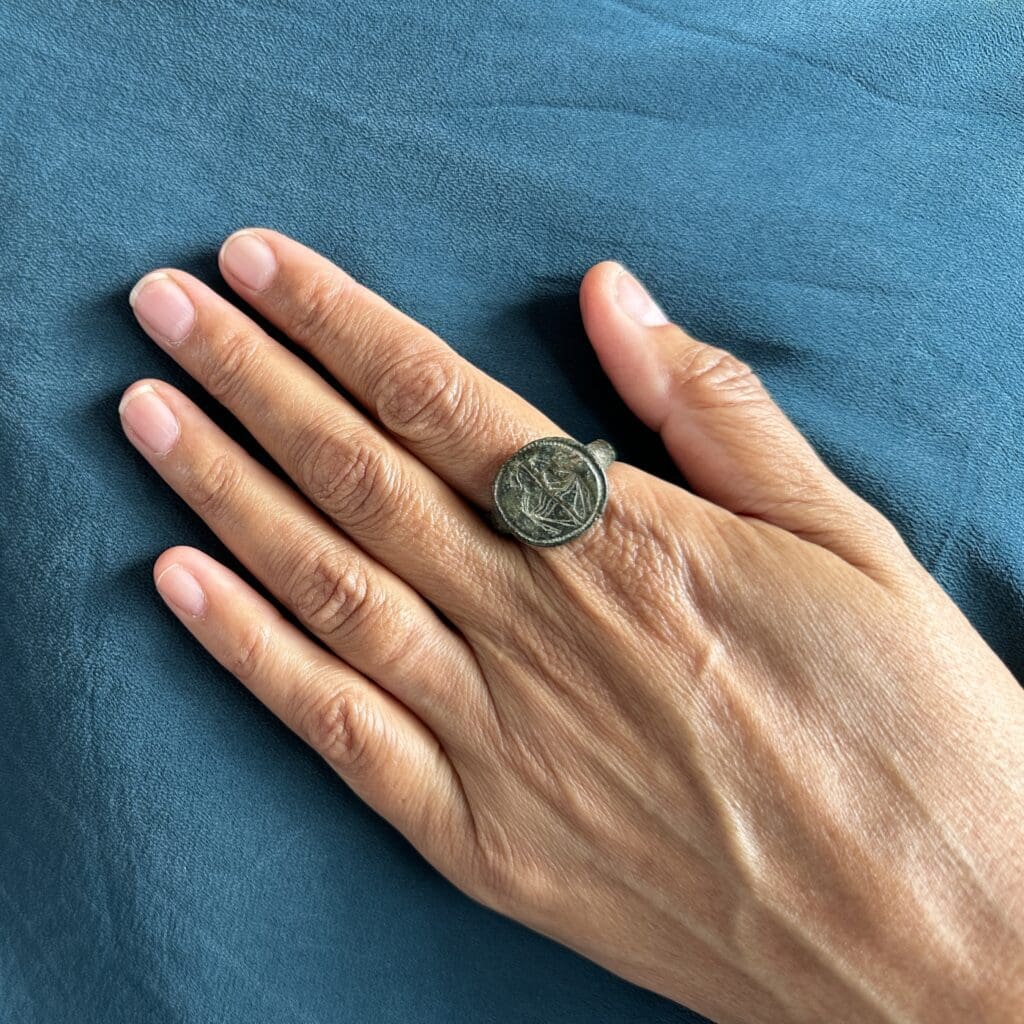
(831, 190)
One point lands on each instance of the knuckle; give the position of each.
(250, 653)
(320, 308)
(212, 491)
(336, 723)
(336, 598)
(424, 399)
(710, 371)
(393, 654)
(231, 365)
(345, 475)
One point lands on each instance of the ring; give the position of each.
(552, 490)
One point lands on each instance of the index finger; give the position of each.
(451, 415)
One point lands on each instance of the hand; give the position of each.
(737, 745)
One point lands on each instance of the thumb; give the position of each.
(730, 440)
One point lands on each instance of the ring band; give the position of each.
(552, 490)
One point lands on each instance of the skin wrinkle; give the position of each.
(621, 868)
(954, 849)
(739, 833)
(740, 836)
(595, 725)
(795, 931)
(898, 777)
(657, 568)
(850, 969)
(893, 760)
(613, 870)
(805, 941)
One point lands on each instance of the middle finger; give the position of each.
(384, 498)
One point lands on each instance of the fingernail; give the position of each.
(163, 307)
(181, 590)
(150, 420)
(636, 303)
(248, 258)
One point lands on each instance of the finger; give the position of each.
(731, 441)
(377, 492)
(358, 608)
(460, 422)
(388, 757)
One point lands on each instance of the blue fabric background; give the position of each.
(831, 189)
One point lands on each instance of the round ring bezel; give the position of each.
(595, 467)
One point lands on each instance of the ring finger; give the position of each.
(360, 609)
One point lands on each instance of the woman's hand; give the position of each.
(737, 745)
